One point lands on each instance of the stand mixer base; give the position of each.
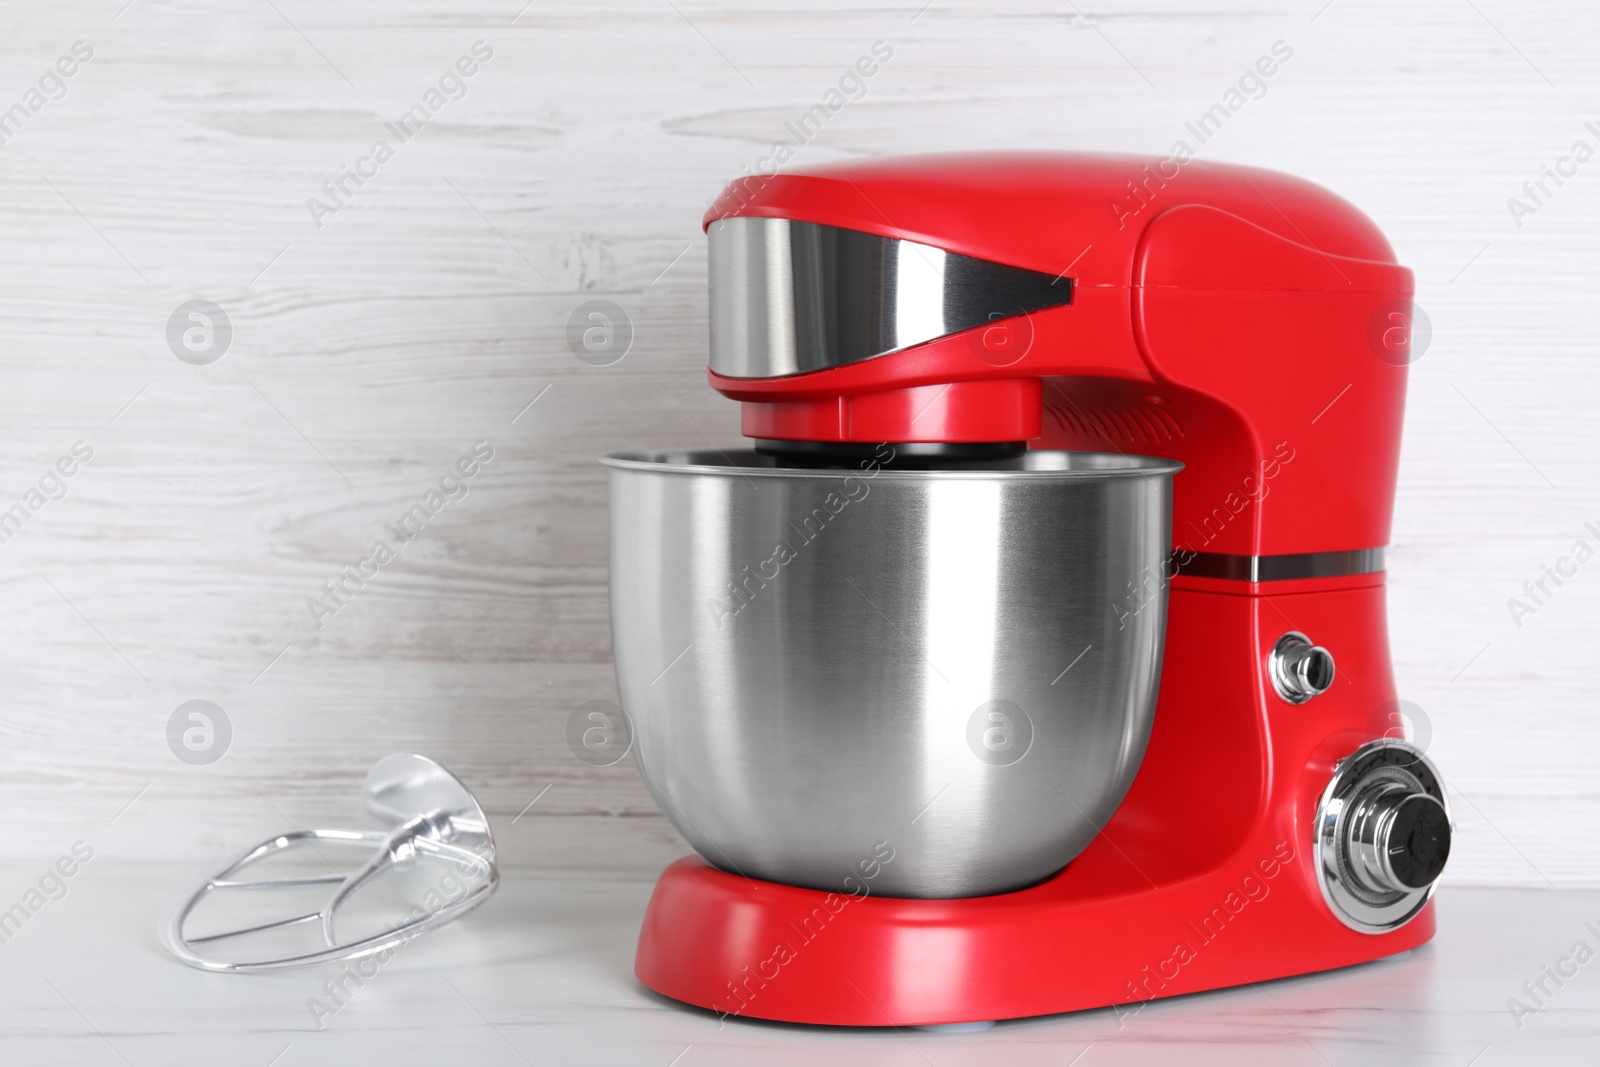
(1206, 877)
(744, 948)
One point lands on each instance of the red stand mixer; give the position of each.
(962, 313)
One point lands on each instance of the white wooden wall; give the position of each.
(369, 353)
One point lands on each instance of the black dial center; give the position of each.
(1418, 841)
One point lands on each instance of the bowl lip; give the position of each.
(706, 462)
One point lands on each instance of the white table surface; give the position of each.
(542, 974)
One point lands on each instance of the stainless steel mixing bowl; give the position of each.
(909, 683)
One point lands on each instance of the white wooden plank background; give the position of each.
(369, 353)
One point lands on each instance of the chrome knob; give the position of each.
(1299, 669)
(1399, 840)
(1382, 835)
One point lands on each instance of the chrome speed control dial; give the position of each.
(1398, 840)
(1299, 669)
(1382, 835)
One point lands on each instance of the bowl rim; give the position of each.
(747, 463)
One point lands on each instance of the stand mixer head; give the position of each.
(962, 318)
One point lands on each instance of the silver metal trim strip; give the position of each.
(1282, 568)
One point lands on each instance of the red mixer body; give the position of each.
(1249, 324)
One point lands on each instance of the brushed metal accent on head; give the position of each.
(788, 297)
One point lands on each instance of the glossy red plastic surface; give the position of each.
(1223, 316)
(1202, 879)
(1040, 210)
(1005, 410)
